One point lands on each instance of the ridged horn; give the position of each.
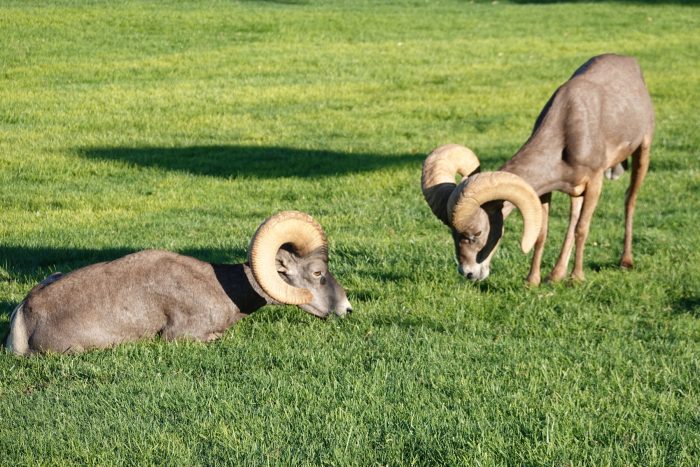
(287, 227)
(438, 178)
(481, 188)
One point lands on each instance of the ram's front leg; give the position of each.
(560, 267)
(590, 201)
(533, 277)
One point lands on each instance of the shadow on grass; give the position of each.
(253, 161)
(637, 2)
(689, 305)
(600, 266)
(5, 311)
(267, 162)
(32, 261)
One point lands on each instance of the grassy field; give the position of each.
(131, 125)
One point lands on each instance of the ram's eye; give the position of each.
(476, 235)
(317, 273)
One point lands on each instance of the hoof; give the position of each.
(533, 281)
(626, 263)
(577, 278)
(555, 277)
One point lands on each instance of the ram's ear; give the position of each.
(286, 262)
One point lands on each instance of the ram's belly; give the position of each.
(72, 327)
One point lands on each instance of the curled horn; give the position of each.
(481, 188)
(439, 170)
(289, 227)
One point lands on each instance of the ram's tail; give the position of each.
(17, 340)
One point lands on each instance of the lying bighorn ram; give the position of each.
(157, 292)
(593, 122)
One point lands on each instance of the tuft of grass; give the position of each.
(182, 125)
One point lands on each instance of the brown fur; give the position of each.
(153, 292)
(593, 122)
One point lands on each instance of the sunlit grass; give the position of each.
(183, 125)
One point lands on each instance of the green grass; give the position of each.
(130, 125)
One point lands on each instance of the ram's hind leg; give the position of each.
(559, 270)
(533, 277)
(640, 165)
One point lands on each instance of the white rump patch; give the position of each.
(17, 340)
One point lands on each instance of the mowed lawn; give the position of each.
(182, 125)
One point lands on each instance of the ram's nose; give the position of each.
(343, 308)
(473, 274)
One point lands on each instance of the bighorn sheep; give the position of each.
(157, 292)
(593, 122)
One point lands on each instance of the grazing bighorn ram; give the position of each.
(593, 122)
(157, 292)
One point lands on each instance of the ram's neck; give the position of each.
(239, 284)
(538, 163)
(542, 160)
